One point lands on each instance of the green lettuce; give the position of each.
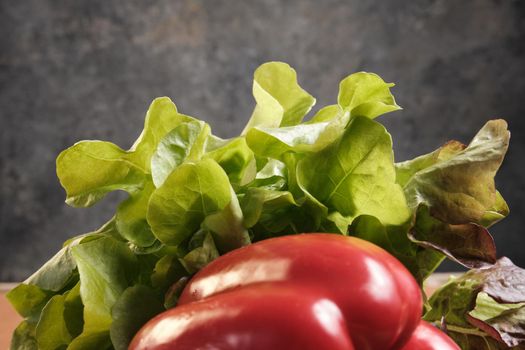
(190, 193)
(280, 99)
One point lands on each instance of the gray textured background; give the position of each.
(72, 70)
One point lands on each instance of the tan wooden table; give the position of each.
(9, 319)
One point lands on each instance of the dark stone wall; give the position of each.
(73, 70)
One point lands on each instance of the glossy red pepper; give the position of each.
(428, 337)
(311, 291)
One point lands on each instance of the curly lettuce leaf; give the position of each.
(187, 141)
(191, 192)
(237, 160)
(31, 296)
(135, 306)
(272, 176)
(356, 176)
(280, 99)
(484, 305)
(366, 95)
(419, 260)
(461, 189)
(130, 219)
(303, 138)
(61, 320)
(326, 114)
(161, 118)
(468, 244)
(227, 226)
(167, 271)
(360, 94)
(205, 251)
(269, 209)
(90, 169)
(24, 337)
(29, 300)
(106, 268)
(453, 195)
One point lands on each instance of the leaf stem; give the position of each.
(472, 331)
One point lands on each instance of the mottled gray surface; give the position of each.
(72, 70)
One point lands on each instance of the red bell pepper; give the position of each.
(428, 337)
(312, 291)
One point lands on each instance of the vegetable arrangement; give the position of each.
(194, 196)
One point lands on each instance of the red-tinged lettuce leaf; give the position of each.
(504, 322)
(406, 170)
(497, 212)
(453, 196)
(460, 188)
(472, 342)
(486, 303)
(419, 260)
(468, 244)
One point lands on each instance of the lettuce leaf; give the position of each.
(356, 176)
(303, 138)
(189, 194)
(280, 99)
(367, 95)
(106, 267)
(185, 141)
(56, 336)
(483, 306)
(236, 159)
(459, 188)
(90, 169)
(453, 194)
(24, 337)
(135, 306)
